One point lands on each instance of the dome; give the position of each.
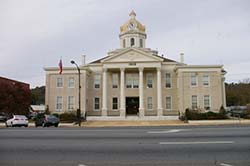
(132, 24)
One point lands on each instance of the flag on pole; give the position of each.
(60, 66)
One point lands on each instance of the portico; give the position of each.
(138, 90)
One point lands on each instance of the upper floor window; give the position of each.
(71, 82)
(194, 102)
(96, 103)
(206, 80)
(70, 102)
(59, 82)
(141, 43)
(168, 80)
(132, 80)
(149, 77)
(132, 42)
(168, 102)
(59, 103)
(97, 81)
(207, 102)
(115, 80)
(150, 103)
(115, 103)
(194, 80)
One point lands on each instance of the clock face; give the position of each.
(131, 25)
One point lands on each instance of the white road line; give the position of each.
(81, 165)
(191, 143)
(223, 164)
(166, 131)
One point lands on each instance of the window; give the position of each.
(115, 80)
(149, 80)
(96, 103)
(141, 43)
(168, 102)
(71, 82)
(59, 103)
(194, 102)
(132, 42)
(97, 81)
(206, 80)
(124, 43)
(132, 80)
(168, 80)
(115, 103)
(59, 82)
(70, 102)
(207, 102)
(150, 103)
(193, 80)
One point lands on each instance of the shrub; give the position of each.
(68, 117)
(194, 115)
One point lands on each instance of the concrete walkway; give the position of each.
(150, 123)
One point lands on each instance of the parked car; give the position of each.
(3, 117)
(32, 115)
(46, 120)
(17, 120)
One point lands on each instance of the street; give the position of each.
(173, 146)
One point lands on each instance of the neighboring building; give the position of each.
(14, 96)
(135, 80)
(38, 108)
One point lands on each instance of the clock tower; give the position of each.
(132, 33)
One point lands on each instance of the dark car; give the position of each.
(46, 120)
(3, 117)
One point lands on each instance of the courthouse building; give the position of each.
(134, 81)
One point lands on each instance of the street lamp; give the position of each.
(79, 93)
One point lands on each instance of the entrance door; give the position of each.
(132, 105)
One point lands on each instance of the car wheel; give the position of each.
(26, 125)
(6, 124)
(56, 125)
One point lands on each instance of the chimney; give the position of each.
(182, 57)
(83, 59)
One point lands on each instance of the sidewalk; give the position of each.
(133, 123)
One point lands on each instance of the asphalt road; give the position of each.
(173, 146)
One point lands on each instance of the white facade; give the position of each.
(134, 81)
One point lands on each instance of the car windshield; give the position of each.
(51, 117)
(20, 116)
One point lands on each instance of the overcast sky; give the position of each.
(36, 33)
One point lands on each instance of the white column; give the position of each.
(141, 106)
(122, 96)
(104, 92)
(159, 94)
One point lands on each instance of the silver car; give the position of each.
(17, 120)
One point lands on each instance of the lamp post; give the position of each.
(79, 93)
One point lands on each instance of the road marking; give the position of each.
(223, 164)
(166, 131)
(191, 143)
(81, 165)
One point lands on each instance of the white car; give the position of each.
(17, 120)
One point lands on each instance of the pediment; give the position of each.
(133, 55)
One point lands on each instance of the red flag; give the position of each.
(60, 66)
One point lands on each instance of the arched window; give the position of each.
(132, 42)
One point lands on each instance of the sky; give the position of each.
(36, 33)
